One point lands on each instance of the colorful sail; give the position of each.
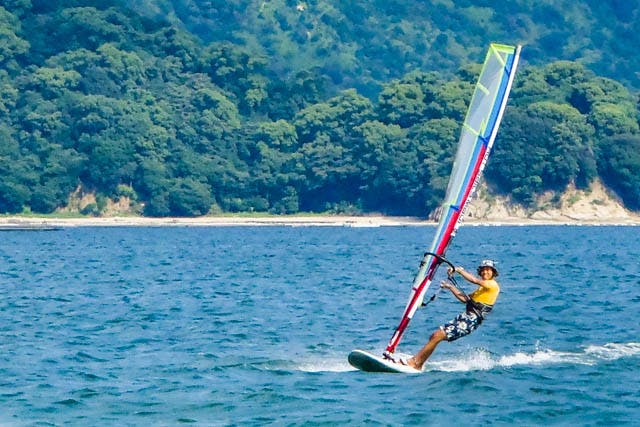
(478, 133)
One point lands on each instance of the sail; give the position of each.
(476, 139)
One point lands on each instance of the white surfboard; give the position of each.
(368, 362)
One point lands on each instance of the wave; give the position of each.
(481, 359)
(325, 364)
(313, 363)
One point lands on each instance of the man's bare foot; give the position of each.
(412, 362)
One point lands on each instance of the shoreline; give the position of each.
(43, 223)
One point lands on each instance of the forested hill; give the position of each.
(360, 43)
(186, 107)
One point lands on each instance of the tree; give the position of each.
(570, 146)
(289, 96)
(188, 197)
(42, 122)
(435, 142)
(17, 174)
(566, 74)
(152, 179)
(53, 82)
(124, 68)
(171, 42)
(388, 163)
(600, 90)
(542, 147)
(158, 205)
(612, 119)
(619, 165)
(334, 118)
(402, 104)
(609, 106)
(531, 86)
(517, 163)
(87, 27)
(17, 7)
(112, 162)
(326, 133)
(452, 100)
(11, 45)
(239, 72)
(60, 176)
(8, 95)
(13, 195)
(275, 168)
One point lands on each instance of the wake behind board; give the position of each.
(368, 362)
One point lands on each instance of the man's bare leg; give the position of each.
(425, 352)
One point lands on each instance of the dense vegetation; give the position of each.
(199, 114)
(358, 43)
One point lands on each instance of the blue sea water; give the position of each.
(252, 326)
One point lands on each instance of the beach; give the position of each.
(213, 221)
(35, 223)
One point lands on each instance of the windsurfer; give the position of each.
(479, 303)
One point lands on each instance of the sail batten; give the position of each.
(478, 133)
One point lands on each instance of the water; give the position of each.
(252, 326)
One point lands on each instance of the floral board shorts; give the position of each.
(463, 324)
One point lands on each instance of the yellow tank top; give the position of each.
(486, 295)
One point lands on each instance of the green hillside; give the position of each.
(360, 43)
(187, 108)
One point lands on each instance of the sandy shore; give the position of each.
(214, 221)
(293, 221)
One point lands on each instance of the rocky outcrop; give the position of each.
(594, 205)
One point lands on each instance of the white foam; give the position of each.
(480, 359)
(477, 360)
(543, 357)
(324, 364)
(613, 351)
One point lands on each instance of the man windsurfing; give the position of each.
(478, 304)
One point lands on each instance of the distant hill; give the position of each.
(362, 43)
(183, 108)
